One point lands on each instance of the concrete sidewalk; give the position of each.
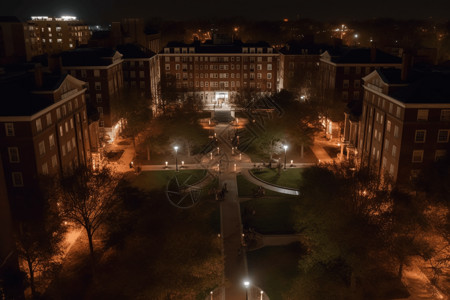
(254, 180)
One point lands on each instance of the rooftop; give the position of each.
(134, 51)
(211, 47)
(362, 56)
(88, 57)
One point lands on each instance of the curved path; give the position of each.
(253, 179)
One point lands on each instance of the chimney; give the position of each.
(38, 81)
(373, 53)
(406, 65)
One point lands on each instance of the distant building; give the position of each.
(405, 121)
(340, 75)
(140, 69)
(12, 41)
(44, 128)
(101, 69)
(299, 66)
(59, 34)
(216, 73)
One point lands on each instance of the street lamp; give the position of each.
(246, 284)
(176, 158)
(285, 148)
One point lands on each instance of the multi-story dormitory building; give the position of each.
(101, 69)
(217, 72)
(405, 121)
(44, 126)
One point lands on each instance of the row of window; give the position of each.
(222, 75)
(186, 50)
(217, 84)
(420, 136)
(217, 59)
(259, 67)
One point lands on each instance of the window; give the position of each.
(269, 85)
(61, 132)
(269, 75)
(96, 73)
(167, 67)
(445, 115)
(98, 86)
(13, 154)
(9, 129)
(69, 148)
(100, 110)
(440, 154)
(422, 114)
(388, 126)
(73, 143)
(45, 169)
(38, 125)
(98, 97)
(398, 112)
(49, 119)
(51, 141)
(356, 84)
(345, 84)
(396, 131)
(420, 136)
(417, 156)
(41, 148)
(269, 67)
(67, 126)
(386, 144)
(391, 107)
(54, 161)
(17, 178)
(443, 136)
(394, 150)
(63, 150)
(83, 73)
(64, 110)
(391, 170)
(71, 123)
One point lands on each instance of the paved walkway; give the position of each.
(253, 179)
(419, 286)
(235, 259)
(319, 151)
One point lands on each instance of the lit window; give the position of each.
(41, 148)
(422, 114)
(96, 73)
(49, 119)
(9, 128)
(396, 131)
(51, 141)
(61, 132)
(269, 67)
(394, 150)
(45, 169)
(440, 154)
(54, 161)
(38, 125)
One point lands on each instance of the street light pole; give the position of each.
(246, 284)
(285, 148)
(176, 158)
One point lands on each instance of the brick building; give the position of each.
(217, 72)
(140, 69)
(44, 130)
(340, 77)
(59, 34)
(101, 69)
(299, 66)
(405, 122)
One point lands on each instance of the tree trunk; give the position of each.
(302, 150)
(91, 243)
(32, 285)
(400, 270)
(148, 153)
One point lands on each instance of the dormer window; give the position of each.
(166, 50)
(244, 50)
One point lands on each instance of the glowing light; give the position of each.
(356, 36)
(68, 18)
(246, 283)
(285, 20)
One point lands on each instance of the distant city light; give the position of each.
(285, 20)
(356, 36)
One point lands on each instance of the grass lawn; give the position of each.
(273, 268)
(157, 180)
(272, 215)
(287, 178)
(245, 188)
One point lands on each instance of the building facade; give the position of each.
(58, 34)
(101, 69)
(217, 73)
(140, 69)
(405, 123)
(45, 130)
(299, 67)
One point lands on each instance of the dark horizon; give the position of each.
(328, 11)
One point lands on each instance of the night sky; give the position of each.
(103, 10)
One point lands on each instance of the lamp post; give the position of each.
(285, 148)
(246, 284)
(176, 158)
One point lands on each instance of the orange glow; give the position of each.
(286, 20)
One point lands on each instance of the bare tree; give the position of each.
(86, 197)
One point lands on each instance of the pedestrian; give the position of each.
(225, 187)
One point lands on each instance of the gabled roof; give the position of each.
(361, 56)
